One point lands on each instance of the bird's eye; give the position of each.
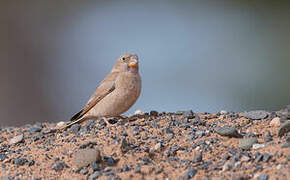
(123, 58)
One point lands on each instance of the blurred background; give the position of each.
(206, 55)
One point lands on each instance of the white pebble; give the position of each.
(60, 124)
(16, 139)
(139, 112)
(258, 146)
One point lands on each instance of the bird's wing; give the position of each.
(106, 87)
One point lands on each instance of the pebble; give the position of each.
(246, 144)
(285, 128)
(285, 145)
(259, 157)
(157, 147)
(250, 134)
(110, 161)
(84, 157)
(263, 177)
(268, 137)
(227, 166)
(153, 113)
(275, 122)
(190, 174)
(223, 112)
(19, 161)
(124, 146)
(59, 166)
(84, 171)
(266, 157)
(35, 129)
(60, 124)
(16, 139)
(95, 175)
(197, 158)
(74, 128)
(226, 156)
(245, 159)
(255, 115)
(258, 146)
(188, 114)
(96, 166)
(139, 112)
(198, 121)
(228, 131)
(2, 156)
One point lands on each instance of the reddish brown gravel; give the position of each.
(182, 145)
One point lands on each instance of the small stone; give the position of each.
(95, 175)
(266, 157)
(110, 161)
(124, 146)
(2, 156)
(60, 124)
(157, 147)
(153, 113)
(95, 166)
(139, 112)
(259, 158)
(279, 167)
(16, 139)
(227, 166)
(268, 137)
(246, 144)
(74, 128)
(84, 157)
(226, 156)
(285, 145)
(263, 177)
(245, 159)
(275, 122)
(188, 114)
(35, 129)
(250, 134)
(285, 128)
(197, 158)
(190, 174)
(258, 146)
(223, 112)
(59, 166)
(84, 171)
(237, 165)
(228, 131)
(255, 115)
(19, 161)
(113, 120)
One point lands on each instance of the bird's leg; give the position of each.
(106, 120)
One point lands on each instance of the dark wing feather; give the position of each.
(106, 87)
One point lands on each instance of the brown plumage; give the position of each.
(116, 93)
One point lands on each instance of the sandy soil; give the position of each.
(180, 145)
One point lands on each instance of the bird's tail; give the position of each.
(72, 123)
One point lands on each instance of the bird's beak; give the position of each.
(133, 63)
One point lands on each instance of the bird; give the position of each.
(117, 93)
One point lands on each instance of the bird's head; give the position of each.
(126, 62)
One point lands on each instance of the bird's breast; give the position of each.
(129, 81)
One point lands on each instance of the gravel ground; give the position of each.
(180, 145)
